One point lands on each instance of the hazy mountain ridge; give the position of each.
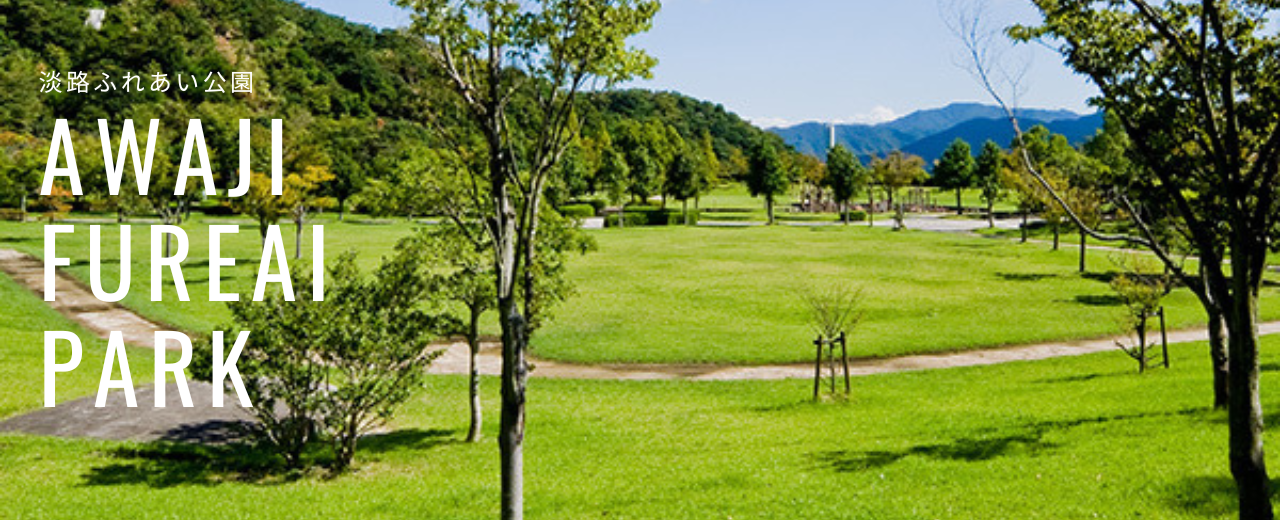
(928, 132)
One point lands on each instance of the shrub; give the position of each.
(653, 216)
(632, 220)
(16, 215)
(332, 370)
(857, 215)
(578, 211)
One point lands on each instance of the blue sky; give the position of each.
(780, 62)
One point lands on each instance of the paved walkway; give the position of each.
(455, 361)
(76, 301)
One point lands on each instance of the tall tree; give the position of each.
(896, 171)
(711, 164)
(685, 178)
(1194, 85)
(986, 176)
(768, 176)
(489, 50)
(845, 177)
(352, 146)
(954, 170)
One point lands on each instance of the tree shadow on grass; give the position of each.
(164, 464)
(1099, 300)
(19, 240)
(168, 463)
(1106, 277)
(964, 449)
(1025, 277)
(1207, 496)
(1026, 441)
(411, 439)
(1080, 378)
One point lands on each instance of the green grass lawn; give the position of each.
(1067, 438)
(371, 239)
(734, 295)
(972, 198)
(24, 318)
(719, 295)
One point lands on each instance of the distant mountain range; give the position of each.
(928, 132)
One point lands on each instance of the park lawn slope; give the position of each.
(713, 295)
(1076, 437)
(735, 295)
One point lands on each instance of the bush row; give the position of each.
(646, 216)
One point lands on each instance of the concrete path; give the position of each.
(455, 361)
(115, 421)
(76, 301)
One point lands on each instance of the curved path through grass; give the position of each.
(77, 302)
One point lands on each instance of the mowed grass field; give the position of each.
(736, 295)
(1067, 438)
(715, 295)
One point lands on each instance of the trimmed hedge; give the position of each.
(578, 211)
(857, 215)
(650, 216)
(632, 220)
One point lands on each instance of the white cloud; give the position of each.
(878, 114)
(770, 122)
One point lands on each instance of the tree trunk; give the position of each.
(871, 207)
(504, 229)
(1084, 248)
(1244, 410)
(342, 208)
(991, 214)
(1055, 235)
(511, 427)
(844, 212)
(684, 207)
(473, 344)
(959, 204)
(297, 239)
(167, 219)
(1218, 356)
(1023, 227)
(768, 206)
(23, 206)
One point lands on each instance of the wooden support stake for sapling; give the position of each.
(817, 368)
(844, 357)
(1164, 339)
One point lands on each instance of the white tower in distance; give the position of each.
(832, 126)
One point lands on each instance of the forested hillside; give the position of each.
(356, 101)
